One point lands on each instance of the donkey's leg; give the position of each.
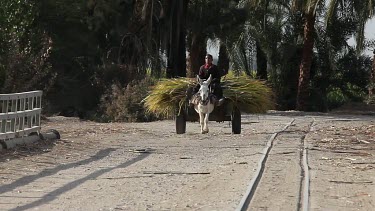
(205, 128)
(201, 121)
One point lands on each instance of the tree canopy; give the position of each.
(76, 51)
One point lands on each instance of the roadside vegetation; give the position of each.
(99, 59)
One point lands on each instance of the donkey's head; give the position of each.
(204, 90)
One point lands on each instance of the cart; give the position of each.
(226, 112)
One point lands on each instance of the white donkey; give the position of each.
(204, 105)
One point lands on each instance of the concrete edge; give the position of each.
(34, 137)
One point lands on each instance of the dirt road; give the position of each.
(146, 166)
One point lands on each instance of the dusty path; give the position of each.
(146, 166)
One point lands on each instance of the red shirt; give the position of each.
(206, 66)
(209, 69)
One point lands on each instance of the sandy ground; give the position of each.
(146, 166)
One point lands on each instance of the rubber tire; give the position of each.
(236, 121)
(180, 123)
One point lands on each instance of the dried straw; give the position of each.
(249, 95)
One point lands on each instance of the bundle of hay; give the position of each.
(168, 95)
(249, 95)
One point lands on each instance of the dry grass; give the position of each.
(167, 95)
(249, 95)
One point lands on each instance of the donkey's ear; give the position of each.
(199, 80)
(209, 79)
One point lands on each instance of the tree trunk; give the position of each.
(223, 62)
(372, 78)
(261, 63)
(305, 66)
(176, 48)
(198, 51)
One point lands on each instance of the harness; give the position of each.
(196, 99)
(206, 101)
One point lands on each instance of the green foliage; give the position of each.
(28, 71)
(214, 18)
(25, 48)
(335, 82)
(107, 75)
(76, 50)
(17, 18)
(71, 49)
(275, 29)
(355, 93)
(370, 100)
(336, 98)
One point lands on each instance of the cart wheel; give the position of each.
(180, 123)
(236, 121)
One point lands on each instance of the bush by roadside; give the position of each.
(124, 104)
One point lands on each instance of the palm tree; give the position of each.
(176, 47)
(308, 9)
(363, 11)
(202, 15)
(210, 19)
(275, 30)
(223, 61)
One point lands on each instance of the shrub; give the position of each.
(355, 93)
(124, 104)
(336, 98)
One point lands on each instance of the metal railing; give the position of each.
(20, 114)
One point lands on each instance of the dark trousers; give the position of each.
(218, 91)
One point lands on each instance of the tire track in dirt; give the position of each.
(284, 177)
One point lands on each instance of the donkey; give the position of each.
(204, 104)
